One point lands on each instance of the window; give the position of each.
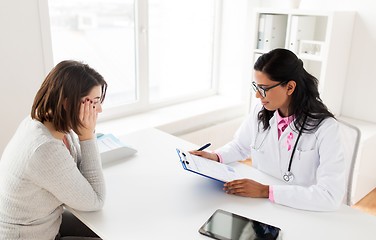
(100, 33)
(177, 57)
(180, 47)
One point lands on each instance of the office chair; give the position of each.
(350, 136)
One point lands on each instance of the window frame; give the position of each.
(142, 103)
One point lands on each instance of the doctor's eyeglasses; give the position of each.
(263, 91)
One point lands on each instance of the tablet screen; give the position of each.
(225, 226)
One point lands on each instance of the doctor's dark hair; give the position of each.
(59, 98)
(282, 65)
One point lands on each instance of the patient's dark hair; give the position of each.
(69, 81)
(282, 65)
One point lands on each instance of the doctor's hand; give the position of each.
(247, 188)
(211, 156)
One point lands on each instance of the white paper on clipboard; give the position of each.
(206, 167)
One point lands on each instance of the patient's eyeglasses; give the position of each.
(262, 90)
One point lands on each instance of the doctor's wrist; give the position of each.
(218, 157)
(265, 191)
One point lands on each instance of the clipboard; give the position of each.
(207, 168)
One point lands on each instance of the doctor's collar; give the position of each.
(288, 119)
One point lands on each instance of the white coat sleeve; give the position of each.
(327, 194)
(240, 147)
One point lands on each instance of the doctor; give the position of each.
(290, 135)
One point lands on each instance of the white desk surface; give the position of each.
(150, 196)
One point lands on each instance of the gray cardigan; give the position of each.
(38, 174)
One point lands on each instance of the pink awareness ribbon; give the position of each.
(288, 142)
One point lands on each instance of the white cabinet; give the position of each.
(322, 39)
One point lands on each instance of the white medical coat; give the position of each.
(318, 163)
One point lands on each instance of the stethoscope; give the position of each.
(258, 149)
(288, 176)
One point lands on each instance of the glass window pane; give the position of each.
(100, 33)
(180, 47)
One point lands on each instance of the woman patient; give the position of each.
(53, 159)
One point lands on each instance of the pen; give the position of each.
(203, 147)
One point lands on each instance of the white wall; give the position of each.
(21, 62)
(235, 65)
(22, 66)
(359, 96)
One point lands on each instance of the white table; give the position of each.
(150, 196)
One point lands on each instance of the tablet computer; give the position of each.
(224, 225)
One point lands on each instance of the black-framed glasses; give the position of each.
(262, 90)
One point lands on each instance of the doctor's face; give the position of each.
(275, 98)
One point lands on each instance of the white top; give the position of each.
(38, 175)
(318, 163)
